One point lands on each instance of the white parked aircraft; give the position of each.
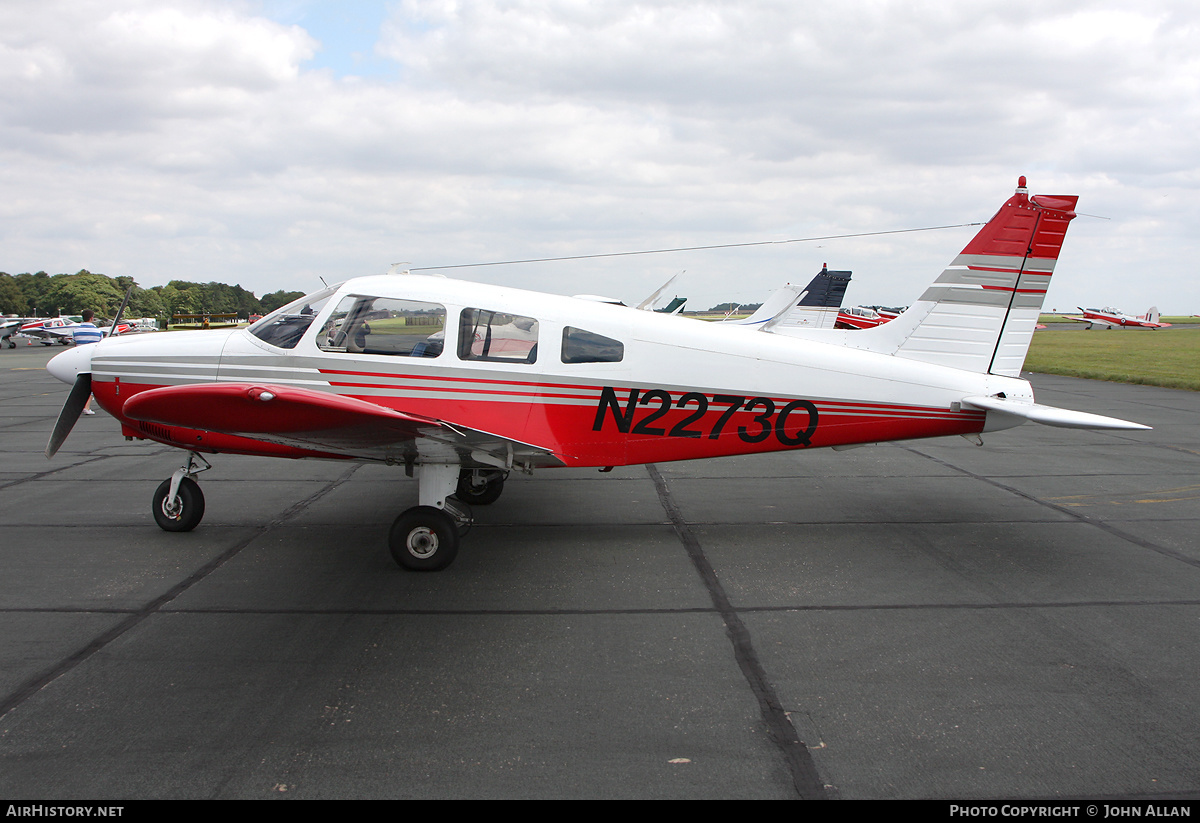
(461, 383)
(814, 306)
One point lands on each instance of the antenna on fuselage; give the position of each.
(395, 268)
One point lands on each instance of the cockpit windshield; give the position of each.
(285, 326)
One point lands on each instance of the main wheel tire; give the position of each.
(484, 495)
(189, 507)
(423, 539)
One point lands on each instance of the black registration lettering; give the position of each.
(735, 403)
(681, 428)
(800, 438)
(764, 423)
(664, 405)
(608, 401)
(763, 420)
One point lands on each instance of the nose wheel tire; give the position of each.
(423, 539)
(187, 510)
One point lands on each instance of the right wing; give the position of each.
(330, 423)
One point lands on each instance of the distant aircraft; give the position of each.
(49, 330)
(674, 307)
(813, 306)
(10, 326)
(1108, 318)
(450, 381)
(860, 317)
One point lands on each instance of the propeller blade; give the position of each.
(71, 410)
(112, 330)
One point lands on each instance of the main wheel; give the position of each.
(423, 539)
(188, 509)
(480, 494)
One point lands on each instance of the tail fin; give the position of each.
(979, 315)
(815, 306)
(1152, 316)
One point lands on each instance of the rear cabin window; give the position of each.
(384, 325)
(581, 346)
(497, 337)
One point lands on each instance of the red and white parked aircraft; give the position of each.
(1108, 318)
(860, 317)
(49, 330)
(461, 383)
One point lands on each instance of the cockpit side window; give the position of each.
(497, 337)
(382, 325)
(285, 326)
(580, 346)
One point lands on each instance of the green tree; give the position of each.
(272, 301)
(72, 293)
(33, 289)
(12, 301)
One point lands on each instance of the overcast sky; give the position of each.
(275, 142)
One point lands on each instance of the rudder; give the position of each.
(979, 315)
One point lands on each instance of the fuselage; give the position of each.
(595, 384)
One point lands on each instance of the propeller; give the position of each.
(71, 410)
(112, 330)
(77, 360)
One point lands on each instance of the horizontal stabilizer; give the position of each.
(1049, 415)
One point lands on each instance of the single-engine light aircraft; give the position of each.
(450, 381)
(50, 330)
(1108, 318)
(861, 317)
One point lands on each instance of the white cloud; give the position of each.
(187, 139)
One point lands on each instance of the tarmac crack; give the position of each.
(1070, 511)
(39, 681)
(805, 779)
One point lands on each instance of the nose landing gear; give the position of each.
(178, 502)
(423, 538)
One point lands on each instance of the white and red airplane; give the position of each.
(860, 317)
(449, 380)
(49, 330)
(1108, 318)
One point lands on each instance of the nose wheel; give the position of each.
(184, 512)
(178, 503)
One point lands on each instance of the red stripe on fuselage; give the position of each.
(569, 428)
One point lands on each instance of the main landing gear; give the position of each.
(480, 487)
(424, 538)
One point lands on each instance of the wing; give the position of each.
(1093, 321)
(330, 423)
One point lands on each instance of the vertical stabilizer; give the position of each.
(814, 307)
(980, 314)
(818, 308)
